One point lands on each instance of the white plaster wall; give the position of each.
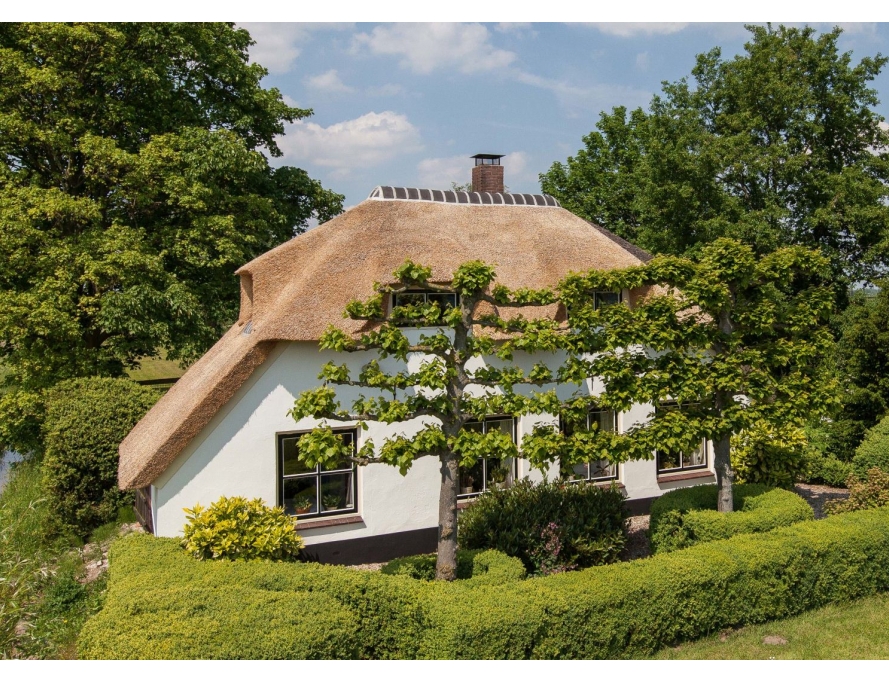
(236, 454)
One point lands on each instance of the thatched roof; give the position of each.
(293, 292)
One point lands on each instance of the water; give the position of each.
(6, 460)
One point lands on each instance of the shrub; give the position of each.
(823, 468)
(688, 516)
(871, 492)
(85, 422)
(240, 529)
(765, 454)
(479, 566)
(515, 522)
(873, 451)
(163, 604)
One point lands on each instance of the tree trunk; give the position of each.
(724, 474)
(446, 564)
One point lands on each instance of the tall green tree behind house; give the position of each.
(777, 146)
(134, 180)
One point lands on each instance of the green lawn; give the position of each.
(156, 368)
(857, 630)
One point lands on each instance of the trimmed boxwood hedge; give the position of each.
(162, 603)
(685, 517)
(478, 566)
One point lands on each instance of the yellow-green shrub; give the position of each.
(864, 494)
(688, 516)
(766, 454)
(240, 529)
(630, 609)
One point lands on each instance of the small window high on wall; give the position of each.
(420, 297)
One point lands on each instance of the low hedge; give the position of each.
(477, 566)
(163, 604)
(685, 517)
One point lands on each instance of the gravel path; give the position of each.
(817, 496)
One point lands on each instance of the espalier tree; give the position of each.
(451, 386)
(722, 343)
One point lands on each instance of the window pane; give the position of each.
(607, 299)
(336, 492)
(602, 469)
(498, 472)
(604, 419)
(444, 300)
(289, 463)
(574, 472)
(345, 463)
(504, 426)
(473, 426)
(667, 461)
(409, 299)
(300, 495)
(698, 457)
(471, 479)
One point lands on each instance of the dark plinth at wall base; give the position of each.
(639, 506)
(373, 548)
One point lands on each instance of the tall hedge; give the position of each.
(547, 526)
(874, 450)
(86, 419)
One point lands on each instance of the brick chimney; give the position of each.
(487, 174)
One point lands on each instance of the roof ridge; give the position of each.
(416, 194)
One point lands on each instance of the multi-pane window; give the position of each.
(672, 461)
(488, 473)
(420, 297)
(315, 491)
(596, 470)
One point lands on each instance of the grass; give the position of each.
(41, 572)
(856, 630)
(156, 368)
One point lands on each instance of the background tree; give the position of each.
(134, 179)
(450, 388)
(735, 340)
(778, 146)
(862, 360)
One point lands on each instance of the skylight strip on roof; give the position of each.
(412, 194)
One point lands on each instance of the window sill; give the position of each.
(335, 521)
(682, 476)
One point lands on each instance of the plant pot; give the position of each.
(467, 489)
(303, 510)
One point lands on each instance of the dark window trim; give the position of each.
(462, 497)
(682, 468)
(352, 511)
(617, 468)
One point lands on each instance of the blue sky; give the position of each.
(407, 104)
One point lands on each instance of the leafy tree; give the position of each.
(778, 146)
(863, 367)
(450, 387)
(736, 340)
(134, 179)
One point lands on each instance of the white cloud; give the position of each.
(439, 173)
(358, 143)
(278, 43)
(516, 27)
(329, 81)
(426, 47)
(629, 29)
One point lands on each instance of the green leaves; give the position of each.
(772, 147)
(132, 185)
